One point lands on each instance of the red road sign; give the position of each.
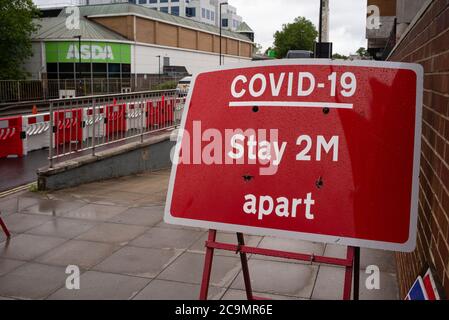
(327, 151)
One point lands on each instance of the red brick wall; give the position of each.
(428, 44)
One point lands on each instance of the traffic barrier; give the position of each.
(89, 121)
(115, 120)
(152, 115)
(12, 136)
(37, 128)
(135, 115)
(68, 127)
(171, 104)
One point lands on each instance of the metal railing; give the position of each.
(29, 90)
(81, 126)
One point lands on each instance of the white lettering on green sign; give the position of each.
(96, 52)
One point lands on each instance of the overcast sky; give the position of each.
(347, 19)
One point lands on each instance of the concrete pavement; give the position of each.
(113, 231)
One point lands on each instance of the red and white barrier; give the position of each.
(12, 137)
(22, 134)
(135, 116)
(37, 131)
(69, 128)
(90, 120)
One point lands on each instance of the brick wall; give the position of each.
(428, 44)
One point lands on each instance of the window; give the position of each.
(175, 11)
(52, 70)
(191, 12)
(99, 70)
(126, 71)
(163, 1)
(164, 9)
(114, 70)
(208, 14)
(153, 1)
(66, 71)
(212, 16)
(142, 1)
(203, 12)
(224, 23)
(174, 0)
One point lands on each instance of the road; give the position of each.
(15, 172)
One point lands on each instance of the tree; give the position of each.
(362, 52)
(299, 35)
(338, 56)
(16, 28)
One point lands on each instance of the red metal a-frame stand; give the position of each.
(351, 264)
(4, 228)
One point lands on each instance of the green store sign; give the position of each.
(97, 52)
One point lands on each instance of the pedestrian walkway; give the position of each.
(114, 232)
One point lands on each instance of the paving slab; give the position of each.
(290, 245)
(161, 238)
(32, 281)
(16, 204)
(96, 212)
(7, 265)
(114, 233)
(385, 260)
(140, 262)
(27, 247)
(63, 228)
(189, 268)
(54, 208)
(144, 216)
(329, 283)
(84, 254)
(20, 222)
(96, 285)
(279, 278)
(225, 237)
(171, 290)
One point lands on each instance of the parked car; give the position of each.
(184, 86)
(299, 54)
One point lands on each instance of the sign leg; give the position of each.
(245, 269)
(5, 229)
(348, 274)
(207, 266)
(356, 272)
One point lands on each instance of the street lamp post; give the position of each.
(320, 37)
(79, 62)
(221, 27)
(159, 70)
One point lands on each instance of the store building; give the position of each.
(130, 41)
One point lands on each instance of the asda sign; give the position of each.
(97, 52)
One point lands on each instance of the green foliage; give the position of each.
(338, 56)
(362, 52)
(299, 35)
(16, 28)
(169, 85)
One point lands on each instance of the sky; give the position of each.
(347, 19)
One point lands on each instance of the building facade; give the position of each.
(422, 36)
(127, 41)
(394, 17)
(205, 11)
